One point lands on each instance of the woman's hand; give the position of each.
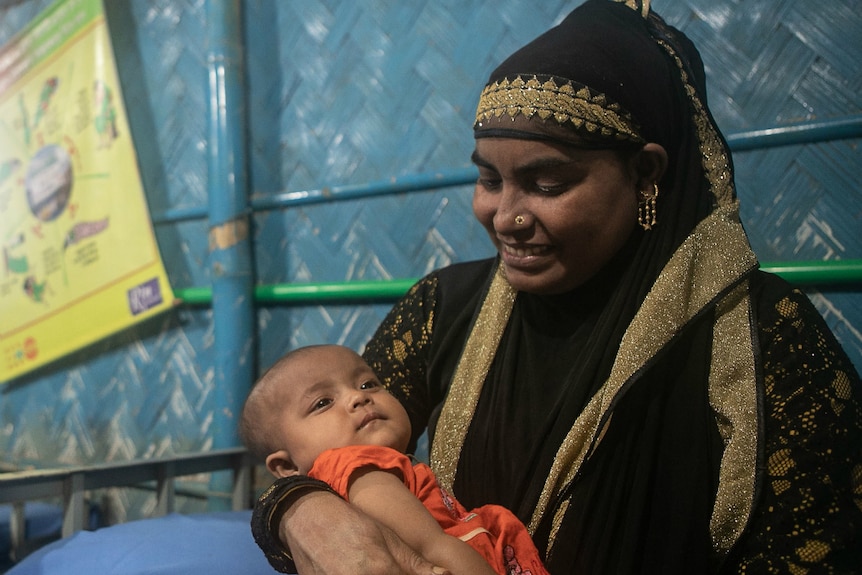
(327, 535)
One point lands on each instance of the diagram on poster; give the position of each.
(79, 258)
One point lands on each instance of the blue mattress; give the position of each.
(175, 544)
(42, 523)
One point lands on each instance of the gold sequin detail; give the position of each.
(469, 377)
(813, 477)
(641, 6)
(406, 332)
(565, 103)
(733, 397)
(714, 155)
(559, 515)
(857, 485)
(813, 551)
(710, 261)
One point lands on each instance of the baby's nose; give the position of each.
(359, 400)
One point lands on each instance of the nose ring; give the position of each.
(519, 220)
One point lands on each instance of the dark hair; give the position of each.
(253, 425)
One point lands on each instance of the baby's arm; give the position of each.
(383, 496)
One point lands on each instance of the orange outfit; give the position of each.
(492, 530)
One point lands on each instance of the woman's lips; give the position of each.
(523, 251)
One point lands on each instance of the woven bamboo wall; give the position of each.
(344, 91)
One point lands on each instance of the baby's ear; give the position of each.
(280, 464)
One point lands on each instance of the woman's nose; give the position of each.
(509, 214)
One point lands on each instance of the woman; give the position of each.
(622, 376)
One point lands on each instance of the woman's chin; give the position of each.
(537, 282)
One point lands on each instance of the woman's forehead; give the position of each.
(529, 154)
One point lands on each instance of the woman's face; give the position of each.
(557, 214)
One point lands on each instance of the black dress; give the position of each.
(642, 501)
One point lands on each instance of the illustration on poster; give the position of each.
(71, 195)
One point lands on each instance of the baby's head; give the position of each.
(317, 398)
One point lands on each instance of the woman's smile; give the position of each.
(520, 253)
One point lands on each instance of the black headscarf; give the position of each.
(613, 51)
(651, 76)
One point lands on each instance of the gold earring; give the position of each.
(646, 208)
(519, 220)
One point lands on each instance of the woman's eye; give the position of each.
(489, 184)
(550, 188)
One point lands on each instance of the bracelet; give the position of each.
(267, 514)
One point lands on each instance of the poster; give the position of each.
(78, 257)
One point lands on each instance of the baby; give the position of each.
(321, 411)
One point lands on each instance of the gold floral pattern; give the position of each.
(812, 487)
(564, 102)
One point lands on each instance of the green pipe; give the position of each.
(833, 272)
(807, 273)
(307, 293)
(338, 291)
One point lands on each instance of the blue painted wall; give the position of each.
(344, 91)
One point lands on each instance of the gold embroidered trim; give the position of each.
(736, 408)
(559, 515)
(585, 109)
(733, 397)
(714, 155)
(469, 377)
(714, 256)
(641, 6)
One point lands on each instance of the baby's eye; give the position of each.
(321, 403)
(370, 384)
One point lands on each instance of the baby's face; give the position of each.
(331, 398)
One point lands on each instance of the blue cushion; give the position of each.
(175, 544)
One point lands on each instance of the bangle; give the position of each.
(267, 514)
